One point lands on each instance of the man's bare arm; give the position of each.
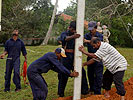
(91, 61)
(3, 54)
(25, 58)
(92, 55)
(72, 37)
(87, 41)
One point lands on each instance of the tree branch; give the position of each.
(131, 2)
(117, 7)
(128, 11)
(105, 8)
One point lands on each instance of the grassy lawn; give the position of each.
(51, 77)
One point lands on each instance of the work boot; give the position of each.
(61, 95)
(17, 90)
(6, 90)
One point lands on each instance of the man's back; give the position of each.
(111, 58)
(47, 62)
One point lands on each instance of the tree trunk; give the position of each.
(0, 12)
(45, 41)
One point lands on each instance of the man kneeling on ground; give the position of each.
(116, 65)
(50, 61)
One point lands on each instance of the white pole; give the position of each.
(78, 54)
(0, 13)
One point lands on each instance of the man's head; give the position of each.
(104, 26)
(60, 52)
(98, 23)
(15, 33)
(95, 42)
(72, 27)
(92, 26)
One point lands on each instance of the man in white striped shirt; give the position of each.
(116, 65)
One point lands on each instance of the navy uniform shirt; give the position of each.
(68, 44)
(88, 36)
(47, 62)
(14, 48)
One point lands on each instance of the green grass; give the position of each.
(51, 77)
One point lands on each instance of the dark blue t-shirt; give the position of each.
(88, 36)
(68, 44)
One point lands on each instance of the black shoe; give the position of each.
(61, 95)
(85, 92)
(5, 90)
(17, 90)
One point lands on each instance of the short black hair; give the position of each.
(95, 40)
(95, 27)
(73, 24)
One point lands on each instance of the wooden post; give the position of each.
(78, 54)
(0, 12)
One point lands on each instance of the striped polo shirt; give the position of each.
(111, 58)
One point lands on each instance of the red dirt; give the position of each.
(65, 98)
(113, 96)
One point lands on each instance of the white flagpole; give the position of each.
(0, 12)
(78, 54)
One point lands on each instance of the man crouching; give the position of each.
(50, 61)
(115, 63)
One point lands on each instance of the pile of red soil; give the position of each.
(65, 98)
(113, 96)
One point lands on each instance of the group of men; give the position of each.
(95, 71)
(99, 53)
(62, 61)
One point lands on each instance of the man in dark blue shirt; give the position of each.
(13, 48)
(50, 61)
(95, 71)
(68, 43)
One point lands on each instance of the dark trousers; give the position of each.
(95, 75)
(68, 63)
(63, 81)
(10, 65)
(117, 78)
(38, 86)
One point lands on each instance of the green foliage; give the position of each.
(71, 9)
(119, 34)
(110, 17)
(60, 26)
(30, 17)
